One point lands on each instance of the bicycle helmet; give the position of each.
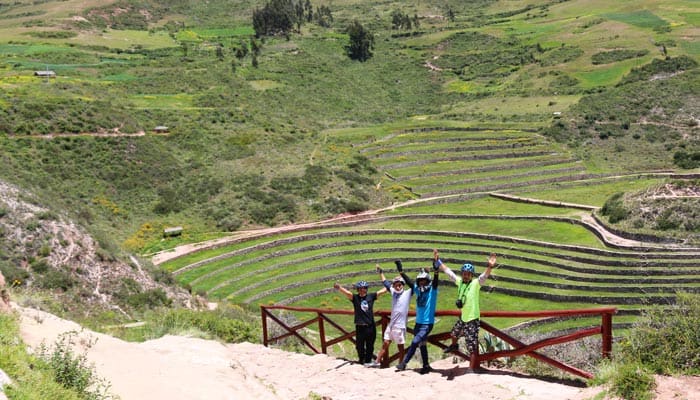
(468, 268)
(362, 284)
(423, 275)
(398, 279)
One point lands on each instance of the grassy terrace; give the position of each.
(545, 262)
(548, 258)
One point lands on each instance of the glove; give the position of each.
(399, 266)
(436, 265)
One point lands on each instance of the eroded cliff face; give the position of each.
(40, 249)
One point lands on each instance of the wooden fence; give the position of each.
(323, 317)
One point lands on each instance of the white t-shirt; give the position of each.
(399, 307)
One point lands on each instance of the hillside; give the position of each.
(259, 145)
(528, 128)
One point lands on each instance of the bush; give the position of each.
(32, 378)
(71, 370)
(632, 382)
(687, 160)
(14, 275)
(607, 57)
(667, 339)
(614, 209)
(56, 279)
(149, 299)
(229, 324)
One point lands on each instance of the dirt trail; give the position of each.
(182, 250)
(185, 368)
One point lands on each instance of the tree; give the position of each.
(241, 50)
(361, 42)
(400, 20)
(323, 16)
(308, 8)
(277, 17)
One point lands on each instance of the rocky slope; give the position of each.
(40, 249)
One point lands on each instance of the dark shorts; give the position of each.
(470, 332)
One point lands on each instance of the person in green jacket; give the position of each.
(468, 287)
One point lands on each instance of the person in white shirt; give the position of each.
(396, 330)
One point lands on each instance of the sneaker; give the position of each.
(372, 364)
(451, 348)
(426, 369)
(400, 366)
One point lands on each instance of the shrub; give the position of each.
(149, 299)
(32, 378)
(687, 160)
(667, 339)
(71, 370)
(669, 65)
(614, 209)
(632, 382)
(14, 275)
(228, 323)
(56, 279)
(611, 56)
(229, 223)
(668, 221)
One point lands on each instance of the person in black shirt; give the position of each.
(365, 327)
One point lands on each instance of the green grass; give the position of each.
(603, 190)
(212, 33)
(178, 101)
(32, 378)
(489, 205)
(642, 19)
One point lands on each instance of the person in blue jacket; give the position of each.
(426, 292)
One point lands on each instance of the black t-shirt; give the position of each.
(364, 314)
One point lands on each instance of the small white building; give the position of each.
(45, 74)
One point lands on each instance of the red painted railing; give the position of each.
(322, 317)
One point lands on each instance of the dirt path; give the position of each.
(182, 250)
(175, 367)
(184, 368)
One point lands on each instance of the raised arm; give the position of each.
(399, 267)
(489, 267)
(385, 281)
(438, 265)
(342, 290)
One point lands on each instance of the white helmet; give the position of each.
(423, 275)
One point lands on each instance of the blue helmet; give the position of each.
(468, 268)
(362, 284)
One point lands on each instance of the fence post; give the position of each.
(474, 359)
(385, 358)
(322, 333)
(606, 333)
(263, 312)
